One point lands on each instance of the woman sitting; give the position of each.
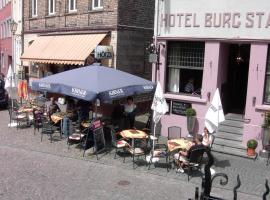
(207, 138)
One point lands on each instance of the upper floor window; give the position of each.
(97, 4)
(51, 7)
(72, 5)
(267, 79)
(185, 61)
(34, 8)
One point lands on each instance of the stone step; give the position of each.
(230, 129)
(231, 151)
(229, 136)
(229, 143)
(232, 123)
(235, 117)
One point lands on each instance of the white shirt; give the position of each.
(129, 108)
(207, 142)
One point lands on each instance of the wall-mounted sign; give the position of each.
(103, 52)
(179, 108)
(220, 19)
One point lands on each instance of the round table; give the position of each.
(132, 134)
(181, 143)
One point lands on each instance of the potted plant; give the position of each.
(251, 146)
(191, 119)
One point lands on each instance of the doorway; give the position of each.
(237, 77)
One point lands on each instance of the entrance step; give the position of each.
(220, 142)
(235, 117)
(228, 138)
(230, 129)
(232, 123)
(232, 151)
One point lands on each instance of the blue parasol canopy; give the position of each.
(94, 82)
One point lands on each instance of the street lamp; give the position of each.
(13, 26)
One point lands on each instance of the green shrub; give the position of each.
(190, 112)
(252, 144)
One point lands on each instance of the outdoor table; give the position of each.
(86, 124)
(132, 134)
(56, 117)
(181, 143)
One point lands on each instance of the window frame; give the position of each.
(34, 10)
(267, 74)
(99, 7)
(49, 7)
(74, 5)
(192, 65)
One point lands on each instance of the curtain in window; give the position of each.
(174, 80)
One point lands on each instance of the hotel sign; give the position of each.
(103, 52)
(216, 19)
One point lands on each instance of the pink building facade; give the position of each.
(5, 36)
(214, 47)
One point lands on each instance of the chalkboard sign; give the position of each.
(99, 140)
(179, 108)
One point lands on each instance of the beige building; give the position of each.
(63, 34)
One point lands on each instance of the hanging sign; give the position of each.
(103, 52)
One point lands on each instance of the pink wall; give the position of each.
(6, 43)
(255, 110)
(209, 84)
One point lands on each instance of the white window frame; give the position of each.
(74, 5)
(49, 7)
(99, 7)
(34, 3)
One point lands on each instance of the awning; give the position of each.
(62, 49)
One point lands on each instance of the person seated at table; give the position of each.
(71, 110)
(182, 157)
(117, 116)
(207, 138)
(130, 112)
(53, 107)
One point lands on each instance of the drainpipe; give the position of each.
(155, 37)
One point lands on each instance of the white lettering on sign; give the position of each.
(116, 92)
(234, 19)
(78, 92)
(148, 87)
(44, 85)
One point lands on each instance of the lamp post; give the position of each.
(13, 29)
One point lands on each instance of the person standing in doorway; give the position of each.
(130, 112)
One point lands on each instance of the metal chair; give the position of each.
(174, 132)
(37, 120)
(160, 151)
(120, 144)
(139, 148)
(195, 159)
(47, 128)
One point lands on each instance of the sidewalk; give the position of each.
(252, 174)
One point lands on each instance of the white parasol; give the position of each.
(214, 113)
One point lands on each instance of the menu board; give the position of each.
(179, 108)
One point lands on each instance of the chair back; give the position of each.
(174, 132)
(196, 155)
(46, 125)
(213, 140)
(113, 137)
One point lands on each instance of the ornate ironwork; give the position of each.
(267, 190)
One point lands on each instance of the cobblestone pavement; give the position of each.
(31, 169)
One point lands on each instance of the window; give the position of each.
(267, 79)
(72, 5)
(51, 7)
(97, 4)
(185, 62)
(34, 8)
